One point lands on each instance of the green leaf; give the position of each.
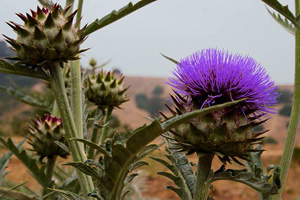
(62, 145)
(85, 168)
(130, 177)
(26, 98)
(283, 22)
(170, 59)
(180, 192)
(92, 145)
(268, 184)
(68, 195)
(137, 164)
(283, 10)
(114, 16)
(147, 150)
(30, 163)
(5, 159)
(6, 67)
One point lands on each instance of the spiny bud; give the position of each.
(42, 135)
(105, 90)
(46, 35)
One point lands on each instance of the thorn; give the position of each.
(49, 23)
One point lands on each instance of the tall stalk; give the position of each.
(294, 120)
(77, 152)
(202, 182)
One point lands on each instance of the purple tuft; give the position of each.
(213, 76)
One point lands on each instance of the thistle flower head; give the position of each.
(211, 77)
(43, 134)
(47, 35)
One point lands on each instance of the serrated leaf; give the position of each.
(283, 10)
(137, 165)
(166, 164)
(6, 67)
(26, 98)
(130, 177)
(284, 23)
(91, 171)
(147, 150)
(114, 16)
(176, 179)
(67, 194)
(5, 159)
(30, 163)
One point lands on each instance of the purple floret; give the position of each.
(213, 76)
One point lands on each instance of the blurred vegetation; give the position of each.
(285, 111)
(296, 154)
(270, 140)
(285, 96)
(153, 104)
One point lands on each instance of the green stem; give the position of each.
(50, 167)
(106, 127)
(77, 97)
(79, 12)
(295, 115)
(69, 2)
(202, 182)
(76, 149)
(55, 111)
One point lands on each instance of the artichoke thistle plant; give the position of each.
(219, 98)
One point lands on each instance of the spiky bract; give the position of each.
(213, 77)
(43, 134)
(46, 35)
(105, 90)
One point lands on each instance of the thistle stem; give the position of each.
(79, 12)
(105, 128)
(50, 167)
(77, 97)
(202, 182)
(76, 149)
(295, 115)
(68, 3)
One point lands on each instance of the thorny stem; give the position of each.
(106, 128)
(77, 152)
(79, 12)
(69, 2)
(295, 115)
(202, 182)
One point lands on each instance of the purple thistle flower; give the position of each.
(213, 76)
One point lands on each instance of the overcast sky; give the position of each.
(178, 28)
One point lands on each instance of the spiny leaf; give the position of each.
(284, 10)
(284, 23)
(62, 145)
(114, 16)
(26, 98)
(6, 67)
(30, 163)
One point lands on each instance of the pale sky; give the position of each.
(177, 28)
